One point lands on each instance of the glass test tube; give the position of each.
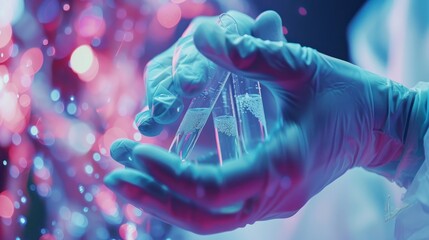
(249, 105)
(250, 112)
(201, 106)
(198, 112)
(225, 122)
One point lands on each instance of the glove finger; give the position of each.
(121, 151)
(155, 198)
(147, 124)
(212, 186)
(243, 21)
(179, 72)
(256, 58)
(166, 103)
(156, 72)
(268, 26)
(190, 67)
(162, 99)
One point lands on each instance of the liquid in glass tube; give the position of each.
(189, 131)
(251, 119)
(226, 136)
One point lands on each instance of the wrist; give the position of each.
(400, 139)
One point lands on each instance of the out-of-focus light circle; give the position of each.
(133, 214)
(24, 100)
(177, 1)
(15, 50)
(302, 11)
(92, 72)
(66, 7)
(137, 136)
(81, 59)
(128, 231)
(43, 173)
(84, 106)
(89, 169)
(4, 77)
(32, 60)
(96, 42)
(55, 95)
(81, 189)
(6, 52)
(111, 135)
(9, 109)
(90, 138)
(91, 22)
(22, 220)
(285, 30)
(50, 51)
(16, 139)
(96, 157)
(5, 35)
(77, 137)
(47, 236)
(68, 30)
(88, 197)
(59, 107)
(14, 171)
(44, 190)
(191, 9)
(71, 108)
(169, 15)
(106, 200)
(78, 225)
(34, 131)
(38, 162)
(10, 11)
(6, 209)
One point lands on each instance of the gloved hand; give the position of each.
(179, 72)
(335, 116)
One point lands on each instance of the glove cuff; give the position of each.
(410, 148)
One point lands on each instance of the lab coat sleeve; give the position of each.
(390, 38)
(412, 221)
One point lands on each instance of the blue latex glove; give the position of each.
(179, 72)
(334, 116)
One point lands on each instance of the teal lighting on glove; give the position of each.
(333, 116)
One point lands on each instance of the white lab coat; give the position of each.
(391, 38)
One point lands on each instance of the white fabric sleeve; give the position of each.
(412, 222)
(390, 38)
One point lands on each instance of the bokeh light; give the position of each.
(128, 231)
(91, 22)
(10, 11)
(71, 83)
(6, 51)
(32, 60)
(82, 59)
(7, 208)
(169, 15)
(5, 35)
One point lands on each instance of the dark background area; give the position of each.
(324, 27)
